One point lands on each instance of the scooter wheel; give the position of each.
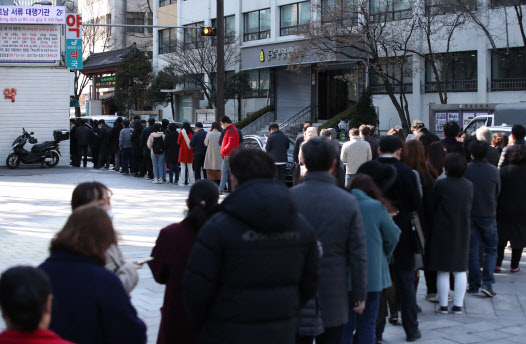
(13, 161)
(54, 160)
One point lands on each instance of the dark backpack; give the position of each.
(158, 145)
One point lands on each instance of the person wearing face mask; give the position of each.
(95, 193)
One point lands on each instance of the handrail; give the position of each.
(297, 118)
(258, 123)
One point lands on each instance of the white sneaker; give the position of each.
(155, 181)
(168, 182)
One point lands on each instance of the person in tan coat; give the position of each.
(213, 159)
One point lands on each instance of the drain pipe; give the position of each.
(123, 14)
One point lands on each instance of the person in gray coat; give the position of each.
(484, 134)
(335, 216)
(449, 240)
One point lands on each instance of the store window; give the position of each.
(508, 70)
(388, 10)
(192, 37)
(167, 41)
(256, 25)
(230, 30)
(293, 17)
(457, 72)
(259, 83)
(135, 18)
(166, 2)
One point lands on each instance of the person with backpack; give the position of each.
(156, 145)
(186, 154)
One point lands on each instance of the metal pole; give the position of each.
(147, 26)
(220, 72)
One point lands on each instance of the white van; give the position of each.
(504, 117)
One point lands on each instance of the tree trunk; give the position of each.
(239, 107)
(77, 111)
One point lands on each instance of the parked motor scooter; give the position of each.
(46, 153)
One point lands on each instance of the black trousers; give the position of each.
(331, 335)
(516, 255)
(199, 163)
(146, 166)
(407, 300)
(136, 161)
(94, 155)
(82, 154)
(388, 303)
(280, 173)
(104, 158)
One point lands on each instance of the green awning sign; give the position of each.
(74, 102)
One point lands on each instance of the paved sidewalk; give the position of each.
(34, 204)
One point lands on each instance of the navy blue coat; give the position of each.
(198, 142)
(90, 304)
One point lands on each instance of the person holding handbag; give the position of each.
(186, 154)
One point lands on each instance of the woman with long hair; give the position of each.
(172, 152)
(213, 159)
(171, 252)
(186, 154)
(436, 157)
(381, 236)
(413, 155)
(90, 303)
(95, 193)
(157, 148)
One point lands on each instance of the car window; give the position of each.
(475, 125)
(251, 143)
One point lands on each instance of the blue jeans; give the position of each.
(483, 230)
(225, 174)
(348, 178)
(365, 323)
(159, 167)
(173, 167)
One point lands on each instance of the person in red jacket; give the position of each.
(25, 299)
(229, 143)
(186, 154)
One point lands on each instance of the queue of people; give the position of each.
(352, 248)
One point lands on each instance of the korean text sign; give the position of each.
(32, 15)
(74, 40)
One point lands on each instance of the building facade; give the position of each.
(267, 31)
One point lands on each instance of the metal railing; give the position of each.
(296, 121)
(507, 85)
(259, 123)
(452, 86)
(380, 89)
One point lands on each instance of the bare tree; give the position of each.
(195, 61)
(346, 31)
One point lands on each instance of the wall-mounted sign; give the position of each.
(279, 53)
(105, 81)
(10, 93)
(32, 15)
(29, 42)
(262, 56)
(74, 40)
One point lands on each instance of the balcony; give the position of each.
(380, 89)
(507, 85)
(452, 86)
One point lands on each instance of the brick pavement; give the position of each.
(34, 204)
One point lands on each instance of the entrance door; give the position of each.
(186, 109)
(293, 92)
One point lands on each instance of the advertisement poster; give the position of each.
(32, 15)
(453, 117)
(440, 121)
(29, 42)
(467, 117)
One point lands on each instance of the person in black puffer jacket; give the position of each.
(136, 151)
(171, 152)
(255, 262)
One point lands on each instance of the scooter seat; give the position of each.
(42, 146)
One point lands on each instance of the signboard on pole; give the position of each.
(105, 81)
(29, 42)
(32, 15)
(74, 40)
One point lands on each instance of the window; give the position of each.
(167, 41)
(251, 143)
(257, 25)
(387, 10)
(399, 74)
(193, 81)
(230, 30)
(259, 82)
(508, 70)
(292, 17)
(166, 2)
(438, 7)
(135, 18)
(192, 37)
(499, 3)
(457, 71)
(336, 10)
(213, 78)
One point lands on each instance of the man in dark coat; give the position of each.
(147, 166)
(277, 146)
(405, 195)
(255, 262)
(104, 154)
(82, 136)
(114, 143)
(366, 133)
(518, 132)
(95, 142)
(451, 131)
(337, 222)
(486, 188)
(198, 144)
(73, 142)
(422, 134)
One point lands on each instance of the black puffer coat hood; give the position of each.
(264, 205)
